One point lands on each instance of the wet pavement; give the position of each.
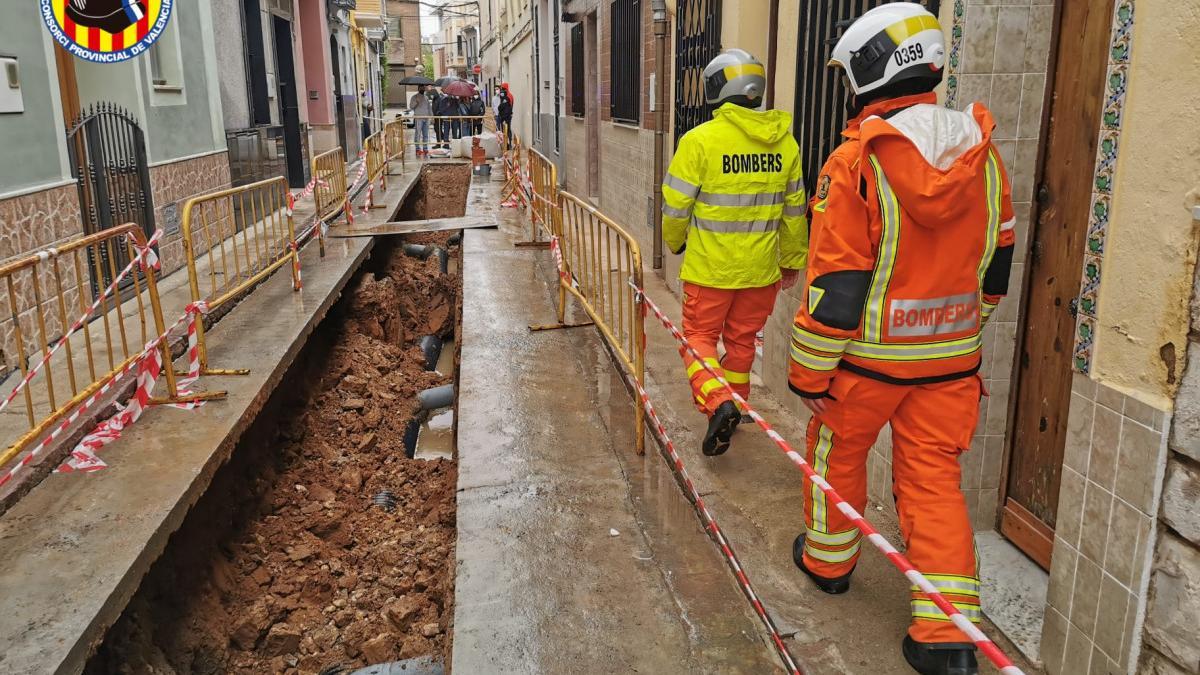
(570, 556)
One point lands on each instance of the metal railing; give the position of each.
(542, 196)
(233, 239)
(395, 141)
(329, 191)
(597, 261)
(377, 158)
(77, 315)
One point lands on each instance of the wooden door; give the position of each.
(1061, 204)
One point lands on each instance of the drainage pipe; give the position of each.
(443, 257)
(658, 10)
(437, 397)
(431, 346)
(417, 251)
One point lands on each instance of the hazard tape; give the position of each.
(146, 258)
(147, 362)
(985, 645)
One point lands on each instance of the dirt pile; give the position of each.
(320, 546)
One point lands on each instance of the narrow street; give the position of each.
(344, 337)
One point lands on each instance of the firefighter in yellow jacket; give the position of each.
(734, 198)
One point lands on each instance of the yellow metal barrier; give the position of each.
(395, 142)
(233, 239)
(329, 193)
(541, 191)
(377, 158)
(46, 293)
(599, 259)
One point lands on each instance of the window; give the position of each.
(460, 48)
(820, 91)
(577, 103)
(626, 70)
(164, 64)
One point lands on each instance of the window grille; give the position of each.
(820, 90)
(697, 41)
(625, 84)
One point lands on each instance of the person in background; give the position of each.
(421, 109)
(368, 109)
(447, 108)
(463, 126)
(504, 110)
(476, 107)
(734, 198)
(435, 98)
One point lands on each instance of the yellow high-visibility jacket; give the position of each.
(734, 194)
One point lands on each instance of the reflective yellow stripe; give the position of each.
(902, 30)
(741, 69)
(994, 193)
(695, 366)
(832, 556)
(709, 386)
(681, 186)
(925, 609)
(951, 583)
(819, 207)
(886, 260)
(737, 378)
(834, 539)
(812, 361)
(740, 200)
(819, 342)
(915, 352)
(985, 310)
(821, 466)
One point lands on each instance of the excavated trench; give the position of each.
(321, 546)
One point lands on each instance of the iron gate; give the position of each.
(697, 41)
(108, 161)
(820, 92)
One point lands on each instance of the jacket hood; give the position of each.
(768, 126)
(934, 158)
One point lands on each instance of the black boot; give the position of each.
(834, 586)
(942, 658)
(720, 429)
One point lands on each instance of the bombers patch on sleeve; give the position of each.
(823, 187)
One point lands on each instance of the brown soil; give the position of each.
(440, 192)
(286, 565)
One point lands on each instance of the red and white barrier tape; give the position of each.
(985, 645)
(146, 363)
(146, 257)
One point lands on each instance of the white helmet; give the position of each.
(734, 76)
(891, 43)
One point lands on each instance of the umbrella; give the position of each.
(416, 79)
(459, 88)
(443, 81)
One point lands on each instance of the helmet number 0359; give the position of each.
(906, 55)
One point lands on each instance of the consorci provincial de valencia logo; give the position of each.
(106, 31)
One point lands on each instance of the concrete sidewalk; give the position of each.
(573, 553)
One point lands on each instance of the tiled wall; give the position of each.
(1105, 526)
(173, 184)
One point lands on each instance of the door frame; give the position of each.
(288, 93)
(1032, 536)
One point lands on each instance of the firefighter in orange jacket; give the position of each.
(912, 240)
(734, 198)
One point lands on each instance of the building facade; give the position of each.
(403, 50)
(171, 94)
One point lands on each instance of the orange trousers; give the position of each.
(931, 425)
(733, 317)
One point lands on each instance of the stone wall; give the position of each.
(1171, 637)
(172, 185)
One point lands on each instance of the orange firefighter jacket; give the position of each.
(910, 248)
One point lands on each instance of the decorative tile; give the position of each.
(954, 61)
(1116, 86)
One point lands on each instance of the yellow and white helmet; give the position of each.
(889, 44)
(734, 76)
